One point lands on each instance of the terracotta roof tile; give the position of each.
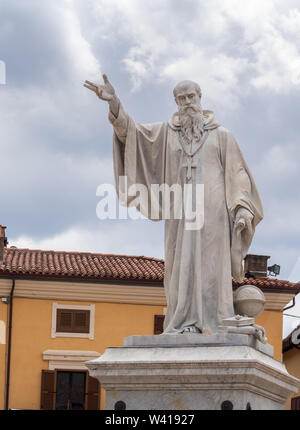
(94, 266)
(268, 283)
(82, 265)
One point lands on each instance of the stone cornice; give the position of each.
(85, 292)
(111, 292)
(277, 301)
(70, 355)
(67, 359)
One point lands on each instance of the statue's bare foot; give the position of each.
(191, 329)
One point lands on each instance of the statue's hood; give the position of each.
(209, 121)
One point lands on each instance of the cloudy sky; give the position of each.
(56, 140)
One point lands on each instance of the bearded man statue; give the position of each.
(191, 148)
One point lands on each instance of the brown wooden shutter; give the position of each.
(48, 390)
(81, 322)
(64, 320)
(158, 324)
(295, 404)
(72, 321)
(92, 393)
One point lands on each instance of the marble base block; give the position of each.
(195, 339)
(192, 372)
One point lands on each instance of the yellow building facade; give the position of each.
(41, 365)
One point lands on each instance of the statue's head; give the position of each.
(187, 92)
(188, 97)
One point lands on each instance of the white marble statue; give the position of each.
(191, 148)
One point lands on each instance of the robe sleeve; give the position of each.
(241, 192)
(139, 161)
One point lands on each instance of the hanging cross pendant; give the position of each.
(189, 165)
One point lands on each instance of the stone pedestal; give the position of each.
(193, 372)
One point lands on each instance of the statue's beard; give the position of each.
(192, 122)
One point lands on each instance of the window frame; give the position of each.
(89, 335)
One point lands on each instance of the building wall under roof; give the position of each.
(32, 319)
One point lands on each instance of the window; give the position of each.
(69, 390)
(159, 324)
(295, 404)
(73, 321)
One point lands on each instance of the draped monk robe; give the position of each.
(199, 264)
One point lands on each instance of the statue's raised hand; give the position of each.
(104, 92)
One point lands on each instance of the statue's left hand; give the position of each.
(243, 218)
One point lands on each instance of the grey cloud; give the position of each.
(31, 42)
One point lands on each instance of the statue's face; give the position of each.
(187, 95)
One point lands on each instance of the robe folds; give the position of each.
(199, 264)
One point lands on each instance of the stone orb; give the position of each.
(249, 301)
